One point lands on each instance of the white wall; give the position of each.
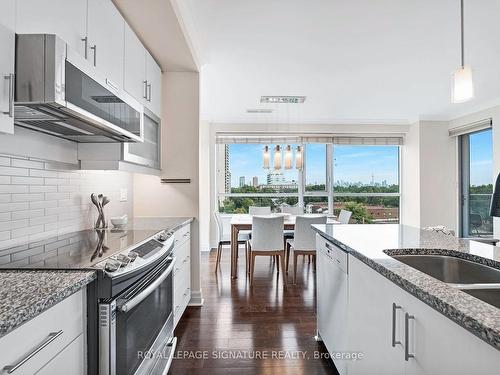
(180, 159)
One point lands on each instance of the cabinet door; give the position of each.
(65, 18)
(106, 37)
(370, 321)
(440, 346)
(7, 40)
(153, 74)
(134, 79)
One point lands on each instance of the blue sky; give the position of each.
(352, 163)
(481, 156)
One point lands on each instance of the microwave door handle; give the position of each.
(131, 303)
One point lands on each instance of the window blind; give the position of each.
(396, 140)
(471, 128)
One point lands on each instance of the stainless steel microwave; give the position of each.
(59, 92)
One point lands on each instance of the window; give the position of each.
(476, 183)
(366, 182)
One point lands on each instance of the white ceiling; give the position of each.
(355, 60)
(156, 24)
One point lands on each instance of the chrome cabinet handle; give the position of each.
(145, 96)
(94, 48)
(51, 337)
(394, 308)
(149, 93)
(407, 336)
(10, 110)
(86, 46)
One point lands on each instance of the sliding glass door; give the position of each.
(476, 183)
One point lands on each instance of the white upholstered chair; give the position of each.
(267, 240)
(344, 216)
(304, 242)
(255, 210)
(224, 237)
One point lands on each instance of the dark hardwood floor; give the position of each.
(237, 324)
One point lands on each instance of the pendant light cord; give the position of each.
(462, 32)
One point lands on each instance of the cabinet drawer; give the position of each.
(182, 234)
(182, 251)
(70, 361)
(47, 335)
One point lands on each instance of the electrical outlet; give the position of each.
(123, 195)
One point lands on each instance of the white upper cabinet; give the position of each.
(106, 39)
(134, 78)
(65, 18)
(153, 77)
(7, 43)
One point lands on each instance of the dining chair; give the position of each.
(344, 216)
(304, 242)
(267, 240)
(224, 238)
(256, 210)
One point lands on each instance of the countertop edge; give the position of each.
(39, 307)
(488, 335)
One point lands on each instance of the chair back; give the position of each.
(220, 230)
(267, 233)
(305, 236)
(344, 216)
(255, 210)
(292, 210)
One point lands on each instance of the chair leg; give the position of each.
(295, 256)
(287, 257)
(282, 258)
(309, 257)
(252, 266)
(217, 259)
(276, 257)
(246, 258)
(314, 261)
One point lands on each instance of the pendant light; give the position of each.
(463, 87)
(265, 158)
(288, 157)
(277, 157)
(298, 158)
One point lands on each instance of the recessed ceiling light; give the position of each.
(283, 99)
(259, 110)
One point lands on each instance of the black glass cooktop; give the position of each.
(77, 250)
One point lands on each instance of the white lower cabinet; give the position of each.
(182, 271)
(51, 343)
(436, 345)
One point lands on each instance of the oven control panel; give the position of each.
(131, 259)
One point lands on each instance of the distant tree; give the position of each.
(359, 212)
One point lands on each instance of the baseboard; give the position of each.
(205, 247)
(196, 299)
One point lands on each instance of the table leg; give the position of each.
(234, 251)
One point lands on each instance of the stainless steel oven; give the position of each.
(136, 322)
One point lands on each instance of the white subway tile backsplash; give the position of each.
(27, 164)
(26, 181)
(10, 171)
(40, 198)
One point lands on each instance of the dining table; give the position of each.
(244, 222)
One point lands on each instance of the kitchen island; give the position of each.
(398, 316)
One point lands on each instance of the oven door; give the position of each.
(136, 329)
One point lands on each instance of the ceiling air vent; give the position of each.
(283, 99)
(259, 110)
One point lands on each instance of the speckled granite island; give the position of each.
(29, 282)
(372, 245)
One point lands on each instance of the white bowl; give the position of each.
(119, 221)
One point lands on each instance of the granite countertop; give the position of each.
(31, 284)
(374, 243)
(26, 294)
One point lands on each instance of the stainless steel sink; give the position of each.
(491, 296)
(451, 270)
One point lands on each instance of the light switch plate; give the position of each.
(123, 195)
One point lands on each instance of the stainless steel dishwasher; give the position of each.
(332, 297)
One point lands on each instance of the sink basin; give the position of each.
(450, 269)
(491, 296)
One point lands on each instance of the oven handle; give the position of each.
(131, 303)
